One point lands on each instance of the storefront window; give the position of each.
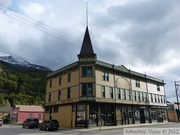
(153, 114)
(80, 115)
(93, 118)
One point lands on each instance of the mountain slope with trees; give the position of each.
(21, 86)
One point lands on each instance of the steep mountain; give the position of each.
(19, 62)
(21, 82)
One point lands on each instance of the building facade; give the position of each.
(21, 112)
(90, 92)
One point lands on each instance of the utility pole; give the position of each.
(177, 84)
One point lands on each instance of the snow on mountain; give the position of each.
(20, 62)
(14, 60)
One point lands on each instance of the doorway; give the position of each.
(142, 116)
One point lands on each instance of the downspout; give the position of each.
(148, 101)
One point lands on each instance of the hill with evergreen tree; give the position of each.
(21, 86)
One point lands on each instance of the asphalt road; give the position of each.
(118, 130)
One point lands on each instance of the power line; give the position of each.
(54, 33)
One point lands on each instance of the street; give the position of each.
(118, 130)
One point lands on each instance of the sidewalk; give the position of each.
(114, 127)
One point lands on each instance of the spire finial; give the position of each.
(86, 14)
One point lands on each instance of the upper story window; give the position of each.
(155, 99)
(69, 77)
(158, 87)
(139, 96)
(103, 91)
(111, 92)
(105, 76)
(87, 71)
(49, 98)
(142, 96)
(124, 94)
(151, 96)
(138, 83)
(87, 89)
(60, 80)
(145, 97)
(129, 94)
(50, 83)
(135, 96)
(59, 95)
(158, 100)
(68, 93)
(161, 99)
(119, 93)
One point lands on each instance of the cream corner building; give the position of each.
(90, 93)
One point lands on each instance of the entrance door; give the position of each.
(142, 116)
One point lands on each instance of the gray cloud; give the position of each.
(137, 34)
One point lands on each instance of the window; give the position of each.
(138, 83)
(47, 110)
(158, 100)
(111, 92)
(50, 83)
(155, 100)
(68, 93)
(142, 96)
(60, 80)
(161, 99)
(158, 87)
(119, 93)
(55, 109)
(129, 94)
(39, 116)
(49, 97)
(30, 116)
(103, 91)
(124, 94)
(59, 95)
(139, 97)
(151, 97)
(145, 97)
(105, 76)
(164, 99)
(135, 96)
(69, 77)
(87, 71)
(87, 89)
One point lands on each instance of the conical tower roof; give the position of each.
(86, 48)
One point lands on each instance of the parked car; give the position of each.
(1, 122)
(31, 123)
(49, 125)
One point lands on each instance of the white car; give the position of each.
(1, 122)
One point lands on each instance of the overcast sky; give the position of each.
(143, 35)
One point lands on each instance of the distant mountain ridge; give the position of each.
(19, 62)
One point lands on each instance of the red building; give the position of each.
(22, 112)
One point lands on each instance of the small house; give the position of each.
(21, 112)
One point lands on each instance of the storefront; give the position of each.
(92, 115)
